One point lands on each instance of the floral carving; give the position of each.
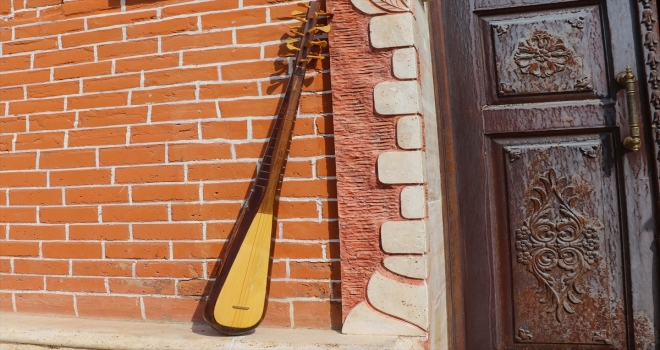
(577, 22)
(392, 5)
(543, 55)
(524, 335)
(557, 244)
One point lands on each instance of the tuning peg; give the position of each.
(321, 43)
(296, 33)
(302, 4)
(297, 13)
(287, 55)
(290, 44)
(316, 57)
(300, 19)
(325, 29)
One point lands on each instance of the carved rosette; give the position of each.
(649, 27)
(543, 55)
(557, 244)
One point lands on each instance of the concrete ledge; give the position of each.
(18, 332)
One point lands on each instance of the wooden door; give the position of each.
(550, 221)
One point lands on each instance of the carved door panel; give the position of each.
(550, 220)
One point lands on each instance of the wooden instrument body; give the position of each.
(238, 299)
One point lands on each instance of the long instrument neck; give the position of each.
(274, 160)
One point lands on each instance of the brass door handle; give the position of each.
(627, 80)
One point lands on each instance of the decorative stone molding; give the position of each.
(401, 167)
(409, 266)
(397, 101)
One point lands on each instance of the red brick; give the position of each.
(254, 70)
(189, 310)
(72, 250)
(6, 302)
(196, 151)
(311, 230)
(132, 155)
(234, 18)
(163, 132)
(21, 282)
(12, 124)
(40, 232)
(310, 188)
(98, 232)
(113, 116)
(225, 54)
(302, 169)
(326, 167)
(28, 107)
(194, 287)
(97, 137)
(108, 307)
(218, 230)
(47, 29)
(35, 197)
(170, 94)
(277, 315)
(207, 211)
(15, 63)
(287, 210)
(19, 248)
(98, 100)
(5, 34)
(126, 49)
(310, 147)
(261, 34)
(42, 303)
(297, 289)
(55, 121)
(83, 70)
(264, 107)
(97, 195)
(308, 312)
(221, 171)
(63, 57)
(23, 179)
(95, 37)
(9, 94)
(124, 18)
(146, 174)
(162, 193)
(147, 63)
(41, 267)
(53, 89)
(20, 78)
(297, 251)
(75, 284)
(136, 250)
(42, 3)
(192, 41)
(162, 27)
(315, 270)
(167, 231)
(21, 46)
(134, 213)
(18, 161)
(224, 129)
(330, 210)
(169, 269)
(121, 82)
(67, 159)
(226, 191)
(231, 90)
(197, 250)
(197, 7)
(68, 214)
(25, 215)
(102, 268)
(141, 286)
(80, 177)
(181, 75)
(313, 104)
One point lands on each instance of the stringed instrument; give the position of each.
(238, 299)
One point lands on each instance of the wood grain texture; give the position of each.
(360, 136)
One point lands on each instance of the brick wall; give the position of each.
(129, 133)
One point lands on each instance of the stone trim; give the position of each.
(397, 296)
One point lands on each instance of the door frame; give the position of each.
(456, 264)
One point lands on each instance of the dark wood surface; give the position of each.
(550, 225)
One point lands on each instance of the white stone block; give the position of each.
(406, 301)
(404, 237)
(413, 202)
(397, 30)
(401, 167)
(404, 63)
(367, 7)
(409, 266)
(397, 97)
(409, 132)
(364, 320)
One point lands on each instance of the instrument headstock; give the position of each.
(305, 37)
